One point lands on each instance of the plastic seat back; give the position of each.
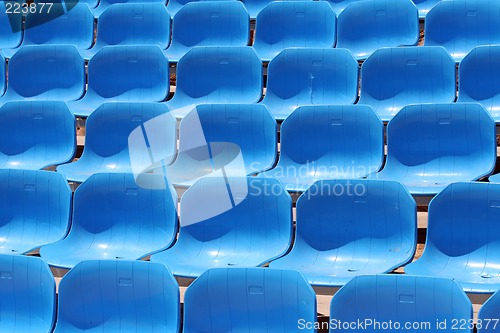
(132, 24)
(426, 148)
(67, 24)
(145, 222)
(366, 26)
(310, 76)
(463, 237)
(28, 302)
(248, 300)
(395, 303)
(392, 78)
(209, 23)
(352, 227)
(115, 142)
(284, 24)
(487, 316)
(45, 72)
(48, 197)
(36, 134)
(125, 74)
(118, 296)
(11, 23)
(239, 139)
(105, 4)
(461, 25)
(217, 75)
(339, 5)
(479, 79)
(230, 222)
(424, 6)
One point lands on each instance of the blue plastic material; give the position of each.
(335, 142)
(339, 5)
(48, 197)
(302, 76)
(237, 140)
(36, 134)
(461, 25)
(463, 237)
(479, 79)
(494, 178)
(392, 78)
(208, 23)
(487, 318)
(114, 136)
(174, 6)
(284, 24)
(118, 296)
(3, 77)
(366, 26)
(216, 75)
(352, 227)
(248, 300)
(401, 303)
(11, 33)
(132, 24)
(45, 72)
(124, 74)
(28, 289)
(427, 148)
(105, 4)
(230, 222)
(117, 217)
(424, 6)
(73, 27)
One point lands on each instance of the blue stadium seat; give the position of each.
(34, 210)
(118, 296)
(216, 75)
(335, 142)
(463, 237)
(248, 300)
(174, 6)
(284, 24)
(208, 23)
(494, 178)
(432, 145)
(238, 140)
(352, 227)
(3, 77)
(424, 6)
(487, 318)
(124, 74)
(230, 222)
(132, 24)
(71, 26)
(115, 142)
(45, 72)
(36, 134)
(28, 295)
(479, 79)
(310, 76)
(105, 4)
(11, 33)
(461, 25)
(366, 26)
(392, 78)
(401, 303)
(116, 216)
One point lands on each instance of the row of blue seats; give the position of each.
(344, 228)
(123, 296)
(427, 148)
(391, 78)
(280, 25)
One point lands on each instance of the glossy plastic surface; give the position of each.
(310, 76)
(335, 142)
(230, 222)
(352, 227)
(432, 145)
